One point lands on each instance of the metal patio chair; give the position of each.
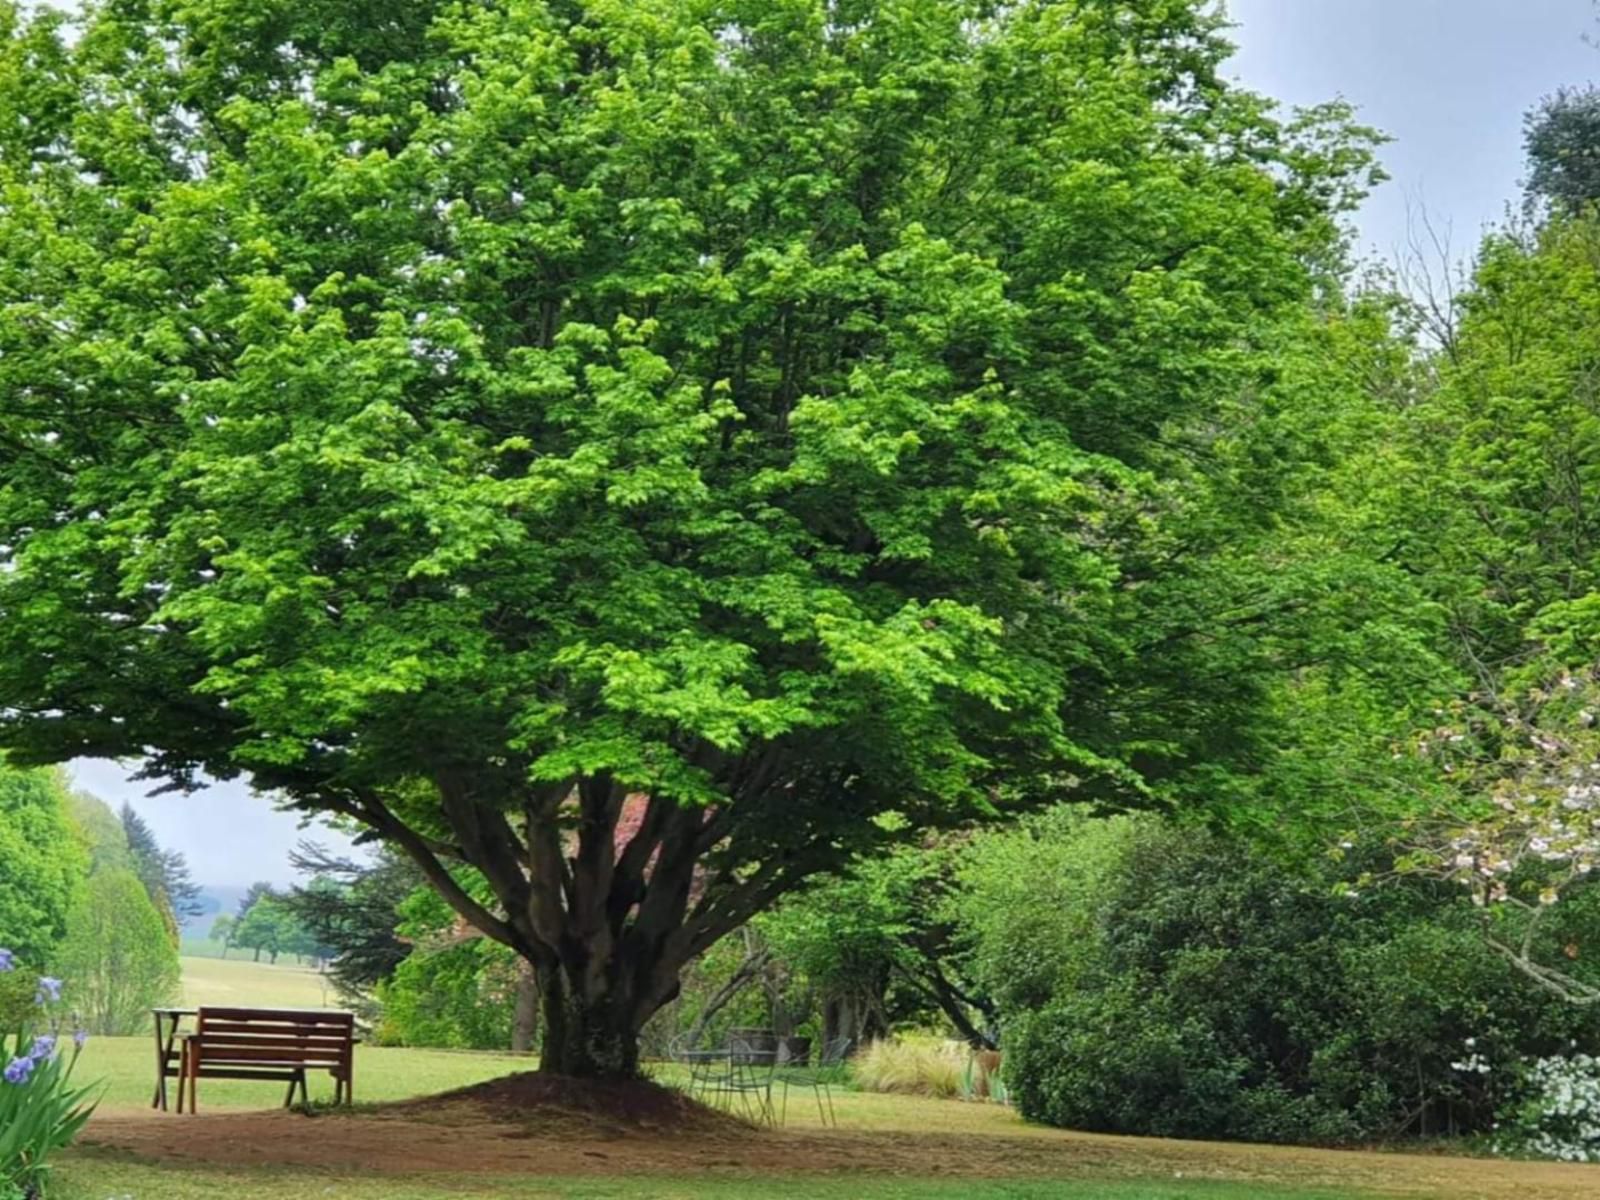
(736, 1077)
(819, 1077)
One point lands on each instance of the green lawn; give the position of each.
(126, 1065)
(238, 981)
(89, 1177)
(127, 1068)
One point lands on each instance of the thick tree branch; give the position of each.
(373, 812)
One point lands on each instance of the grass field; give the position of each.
(91, 1178)
(127, 1068)
(238, 981)
(887, 1147)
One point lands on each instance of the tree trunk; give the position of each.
(853, 1017)
(258, 954)
(585, 1037)
(525, 1021)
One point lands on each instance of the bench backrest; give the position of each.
(276, 1035)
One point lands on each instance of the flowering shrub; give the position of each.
(40, 1110)
(1560, 1115)
(1523, 829)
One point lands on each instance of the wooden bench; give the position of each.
(279, 1045)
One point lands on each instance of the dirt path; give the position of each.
(433, 1140)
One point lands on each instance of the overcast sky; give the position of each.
(229, 835)
(1449, 80)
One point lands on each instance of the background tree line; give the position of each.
(91, 897)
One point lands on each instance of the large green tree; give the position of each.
(462, 416)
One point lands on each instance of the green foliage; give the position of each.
(268, 924)
(1563, 142)
(1502, 476)
(117, 956)
(42, 862)
(1205, 991)
(222, 930)
(454, 995)
(457, 998)
(798, 416)
(101, 832)
(41, 1112)
(349, 907)
(164, 873)
(1029, 902)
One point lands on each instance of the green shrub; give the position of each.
(1208, 992)
(457, 994)
(42, 863)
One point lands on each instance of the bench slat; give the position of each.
(279, 1028)
(268, 1055)
(266, 1074)
(316, 1016)
(267, 1037)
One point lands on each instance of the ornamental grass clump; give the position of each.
(911, 1066)
(40, 1110)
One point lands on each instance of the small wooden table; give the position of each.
(167, 1022)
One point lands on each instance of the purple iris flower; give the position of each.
(79, 1037)
(49, 989)
(43, 1047)
(18, 1071)
(8, 960)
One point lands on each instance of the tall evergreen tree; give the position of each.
(164, 873)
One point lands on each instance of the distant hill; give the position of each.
(216, 898)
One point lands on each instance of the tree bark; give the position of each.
(854, 1017)
(585, 1037)
(525, 1021)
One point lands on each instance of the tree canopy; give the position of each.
(1563, 143)
(461, 418)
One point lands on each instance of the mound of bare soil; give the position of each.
(548, 1104)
